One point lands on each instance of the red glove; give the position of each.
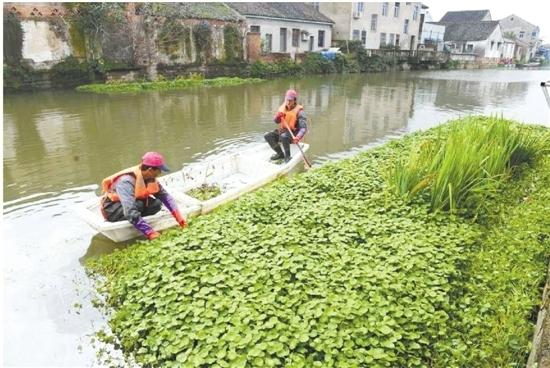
(279, 115)
(296, 139)
(152, 235)
(179, 218)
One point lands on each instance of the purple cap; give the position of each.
(154, 159)
(290, 94)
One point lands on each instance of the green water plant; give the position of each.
(165, 85)
(347, 275)
(205, 192)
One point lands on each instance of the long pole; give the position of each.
(545, 86)
(308, 164)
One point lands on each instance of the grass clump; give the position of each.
(205, 192)
(464, 162)
(165, 85)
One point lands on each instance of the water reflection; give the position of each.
(58, 140)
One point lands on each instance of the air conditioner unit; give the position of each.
(357, 14)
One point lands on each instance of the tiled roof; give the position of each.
(463, 16)
(290, 10)
(213, 10)
(472, 31)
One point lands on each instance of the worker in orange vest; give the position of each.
(291, 116)
(133, 193)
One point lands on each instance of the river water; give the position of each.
(59, 145)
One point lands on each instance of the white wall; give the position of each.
(496, 38)
(273, 27)
(508, 50)
(41, 45)
(388, 24)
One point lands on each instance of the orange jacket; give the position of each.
(142, 190)
(290, 116)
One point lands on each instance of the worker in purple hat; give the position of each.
(133, 193)
(291, 118)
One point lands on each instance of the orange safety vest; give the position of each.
(291, 116)
(142, 190)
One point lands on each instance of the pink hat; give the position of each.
(154, 159)
(291, 94)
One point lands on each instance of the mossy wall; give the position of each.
(13, 39)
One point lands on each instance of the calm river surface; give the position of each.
(59, 145)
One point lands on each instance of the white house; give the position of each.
(287, 27)
(525, 33)
(484, 39)
(376, 24)
(473, 32)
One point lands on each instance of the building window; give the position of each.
(356, 34)
(396, 10)
(373, 22)
(415, 13)
(406, 27)
(316, 5)
(360, 7)
(364, 37)
(282, 40)
(382, 39)
(498, 45)
(521, 34)
(384, 9)
(295, 37)
(268, 46)
(469, 47)
(321, 39)
(396, 40)
(492, 44)
(255, 29)
(390, 42)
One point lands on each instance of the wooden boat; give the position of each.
(233, 174)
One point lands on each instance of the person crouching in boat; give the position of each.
(289, 116)
(133, 193)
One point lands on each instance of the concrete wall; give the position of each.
(41, 46)
(341, 14)
(307, 30)
(134, 41)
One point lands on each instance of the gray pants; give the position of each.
(274, 137)
(114, 212)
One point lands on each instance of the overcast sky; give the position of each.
(535, 12)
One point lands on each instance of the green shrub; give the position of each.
(232, 43)
(315, 63)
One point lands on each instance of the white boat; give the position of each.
(234, 174)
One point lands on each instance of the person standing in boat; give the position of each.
(291, 116)
(133, 193)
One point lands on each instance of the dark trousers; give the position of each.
(114, 211)
(274, 137)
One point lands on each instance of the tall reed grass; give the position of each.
(464, 161)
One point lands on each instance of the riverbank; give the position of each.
(336, 277)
